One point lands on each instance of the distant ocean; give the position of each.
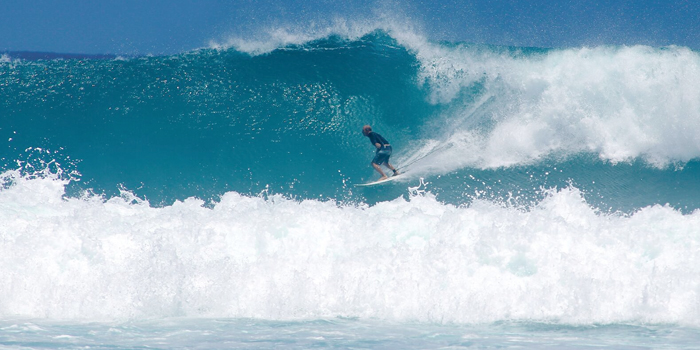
(206, 199)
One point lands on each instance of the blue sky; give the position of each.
(160, 26)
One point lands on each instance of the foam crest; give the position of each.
(269, 39)
(275, 258)
(620, 103)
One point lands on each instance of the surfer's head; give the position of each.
(366, 130)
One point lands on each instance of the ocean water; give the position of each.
(207, 199)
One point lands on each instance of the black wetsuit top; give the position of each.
(376, 138)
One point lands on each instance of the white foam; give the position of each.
(619, 103)
(95, 259)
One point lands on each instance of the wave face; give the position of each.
(541, 184)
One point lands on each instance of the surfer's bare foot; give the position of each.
(382, 178)
(396, 172)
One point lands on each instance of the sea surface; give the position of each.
(207, 199)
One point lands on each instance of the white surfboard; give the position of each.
(380, 182)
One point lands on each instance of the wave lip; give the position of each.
(268, 40)
(275, 258)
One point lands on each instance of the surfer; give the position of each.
(383, 151)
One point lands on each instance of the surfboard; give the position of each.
(381, 182)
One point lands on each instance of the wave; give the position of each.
(288, 117)
(621, 103)
(270, 257)
(541, 184)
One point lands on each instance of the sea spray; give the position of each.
(402, 260)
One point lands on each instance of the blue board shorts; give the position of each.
(382, 155)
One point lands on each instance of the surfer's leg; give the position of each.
(382, 157)
(388, 165)
(379, 170)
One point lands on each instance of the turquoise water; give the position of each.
(211, 121)
(339, 333)
(551, 197)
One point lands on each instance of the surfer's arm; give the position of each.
(378, 145)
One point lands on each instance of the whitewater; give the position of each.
(551, 196)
